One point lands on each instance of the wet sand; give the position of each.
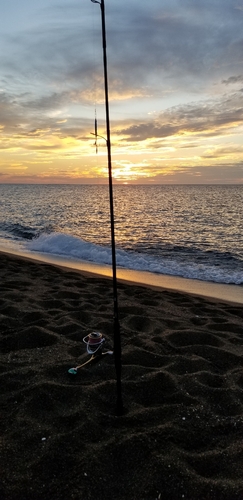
(182, 383)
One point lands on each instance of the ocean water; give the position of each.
(189, 231)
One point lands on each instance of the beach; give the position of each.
(180, 435)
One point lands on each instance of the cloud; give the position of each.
(220, 174)
(144, 42)
(209, 118)
(223, 152)
(172, 69)
(43, 103)
(233, 80)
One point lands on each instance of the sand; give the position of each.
(181, 434)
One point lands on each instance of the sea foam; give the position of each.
(75, 248)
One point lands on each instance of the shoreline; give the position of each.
(214, 291)
(180, 435)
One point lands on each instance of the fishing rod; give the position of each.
(117, 337)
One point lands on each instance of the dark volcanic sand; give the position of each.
(181, 435)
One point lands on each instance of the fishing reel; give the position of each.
(94, 344)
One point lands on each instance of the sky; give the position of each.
(175, 70)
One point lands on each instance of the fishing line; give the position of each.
(96, 133)
(94, 79)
